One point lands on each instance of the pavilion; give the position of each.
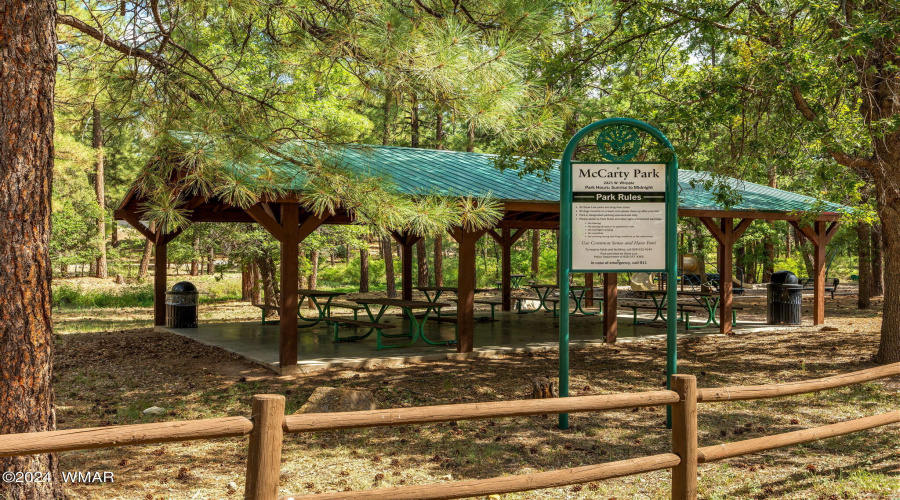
(528, 202)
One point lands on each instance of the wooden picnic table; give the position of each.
(417, 327)
(515, 279)
(323, 310)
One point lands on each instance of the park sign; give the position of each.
(618, 217)
(618, 213)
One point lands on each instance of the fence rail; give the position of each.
(268, 424)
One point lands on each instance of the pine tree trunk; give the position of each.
(414, 121)
(865, 266)
(313, 275)
(423, 262)
(390, 279)
(438, 130)
(144, 268)
(27, 77)
(386, 112)
(246, 282)
(470, 143)
(211, 261)
(535, 253)
(889, 212)
(195, 260)
(877, 261)
(438, 261)
(364, 270)
(100, 190)
(255, 295)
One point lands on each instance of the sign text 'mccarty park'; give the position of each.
(636, 173)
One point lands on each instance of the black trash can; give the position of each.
(784, 299)
(181, 305)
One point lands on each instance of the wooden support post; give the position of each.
(506, 240)
(290, 254)
(160, 265)
(684, 438)
(406, 241)
(726, 271)
(264, 454)
(465, 309)
(819, 235)
(505, 270)
(610, 307)
(589, 294)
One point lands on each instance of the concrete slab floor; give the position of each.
(510, 332)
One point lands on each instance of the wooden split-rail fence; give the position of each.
(268, 424)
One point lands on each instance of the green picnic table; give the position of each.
(416, 324)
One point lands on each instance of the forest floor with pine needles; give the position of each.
(108, 377)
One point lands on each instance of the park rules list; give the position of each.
(618, 216)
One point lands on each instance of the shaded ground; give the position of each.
(108, 378)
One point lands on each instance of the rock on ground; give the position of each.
(333, 400)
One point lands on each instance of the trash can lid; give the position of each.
(184, 287)
(785, 277)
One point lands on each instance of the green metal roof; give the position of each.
(426, 171)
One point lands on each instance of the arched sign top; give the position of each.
(618, 142)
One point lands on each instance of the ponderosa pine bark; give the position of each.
(27, 79)
(390, 278)
(100, 191)
(363, 270)
(438, 261)
(422, 261)
(877, 262)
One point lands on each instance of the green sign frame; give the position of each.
(618, 142)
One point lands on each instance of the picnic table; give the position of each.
(544, 291)
(709, 301)
(322, 310)
(439, 290)
(516, 279)
(416, 323)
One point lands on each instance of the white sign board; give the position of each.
(618, 217)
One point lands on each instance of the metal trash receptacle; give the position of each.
(784, 300)
(181, 305)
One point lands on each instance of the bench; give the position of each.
(347, 305)
(439, 319)
(264, 308)
(659, 310)
(809, 284)
(687, 319)
(373, 327)
(493, 302)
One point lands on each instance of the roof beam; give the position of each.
(262, 217)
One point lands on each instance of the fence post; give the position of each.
(684, 438)
(264, 455)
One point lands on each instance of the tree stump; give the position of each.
(542, 388)
(120, 279)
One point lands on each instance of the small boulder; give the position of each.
(334, 400)
(154, 410)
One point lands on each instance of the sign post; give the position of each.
(618, 215)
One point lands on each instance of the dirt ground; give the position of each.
(109, 377)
